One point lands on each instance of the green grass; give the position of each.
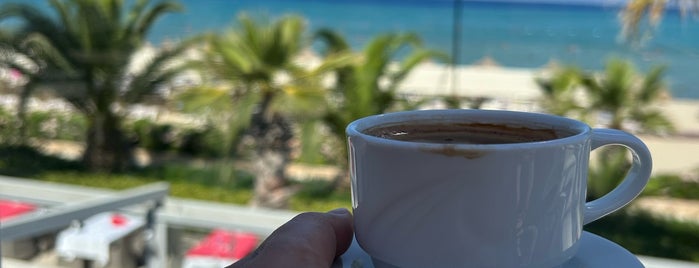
(178, 187)
(319, 195)
(203, 182)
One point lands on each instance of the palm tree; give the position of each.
(628, 97)
(368, 85)
(639, 17)
(625, 96)
(561, 92)
(257, 61)
(83, 50)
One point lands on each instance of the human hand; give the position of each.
(311, 239)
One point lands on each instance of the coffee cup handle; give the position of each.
(635, 180)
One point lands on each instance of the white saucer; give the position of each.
(594, 251)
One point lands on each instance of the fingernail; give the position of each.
(339, 211)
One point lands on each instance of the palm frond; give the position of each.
(334, 62)
(237, 59)
(252, 34)
(560, 89)
(30, 14)
(45, 50)
(132, 21)
(115, 10)
(161, 69)
(410, 62)
(640, 14)
(614, 87)
(652, 121)
(204, 100)
(64, 14)
(652, 84)
(628, 96)
(148, 18)
(334, 42)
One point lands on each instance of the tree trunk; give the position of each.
(107, 148)
(272, 189)
(271, 134)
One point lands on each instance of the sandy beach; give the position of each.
(516, 89)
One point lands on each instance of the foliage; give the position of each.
(313, 137)
(178, 187)
(56, 125)
(26, 161)
(368, 85)
(319, 195)
(187, 180)
(609, 168)
(42, 125)
(205, 142)
(196, 141)
(640, 17)
(256, 66)
(628, 98)
(153, 136)
(9, 125)
(83, 49)
(674, 186)
(561, 92)
(260, 60)
(645, 234)
(223, 116)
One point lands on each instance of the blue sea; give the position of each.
(514, 34)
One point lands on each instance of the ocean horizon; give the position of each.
(513, 33)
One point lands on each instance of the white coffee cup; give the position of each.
(430, 204)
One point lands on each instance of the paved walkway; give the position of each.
(679, 155)
(674, 208)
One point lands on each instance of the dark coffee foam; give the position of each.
(462, 133)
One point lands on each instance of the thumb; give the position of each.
(310, 239)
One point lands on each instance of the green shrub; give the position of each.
(42, 125)
(26, 161)
(206, 142)
(9, 126)
(152, 136)
(311, 143)
(645, 234)
(202, 142)
(672, 186)
(71, 127)
(607, 171)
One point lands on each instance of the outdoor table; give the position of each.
(23, 248)
(219, 249)
(10, 209)
(91, 240)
